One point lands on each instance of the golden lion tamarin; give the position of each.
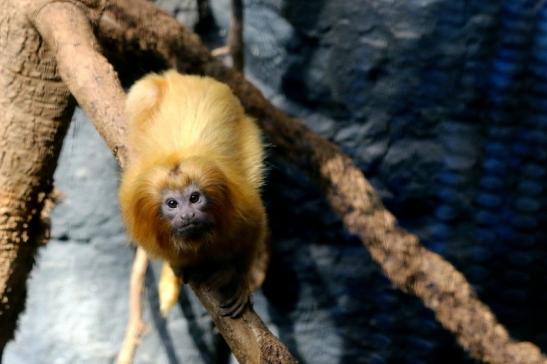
(190, 194)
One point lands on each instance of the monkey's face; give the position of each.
(186, 212)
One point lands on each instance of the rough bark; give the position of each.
(133, 30)
(91, 80)
(261, 346)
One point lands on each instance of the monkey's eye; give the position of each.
(172, 203)
(194, 197)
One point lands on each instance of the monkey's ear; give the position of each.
(144, 98)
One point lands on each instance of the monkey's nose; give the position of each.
(189, 216)
(186, 219)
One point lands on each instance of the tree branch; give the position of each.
(136, 27)
(135, 325)
(93, 82)
(235, 38)
(261, 346)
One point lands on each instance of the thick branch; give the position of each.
(89, 76)
(136, 27)
(93, 82)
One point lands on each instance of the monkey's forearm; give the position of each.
(231, 284)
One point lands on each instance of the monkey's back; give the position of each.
(195, 116)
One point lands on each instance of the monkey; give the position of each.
(190, 194)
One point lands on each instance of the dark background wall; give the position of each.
(440, 102)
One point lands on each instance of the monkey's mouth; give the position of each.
(191, 230)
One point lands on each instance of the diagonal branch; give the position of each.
(134, 28)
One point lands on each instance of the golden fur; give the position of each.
(188, 129)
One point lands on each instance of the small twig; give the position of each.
(220, 51)
(135, 324)
(235, 38)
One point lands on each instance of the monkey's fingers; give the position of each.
(235, 305)
(239, 310)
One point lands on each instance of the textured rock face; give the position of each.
(439, 101)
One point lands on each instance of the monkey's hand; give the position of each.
(168, 289)
(233, 288)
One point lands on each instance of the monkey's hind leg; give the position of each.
(168, 289)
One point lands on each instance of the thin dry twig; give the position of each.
(220, 51)
(235, 38)
(135, 323)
